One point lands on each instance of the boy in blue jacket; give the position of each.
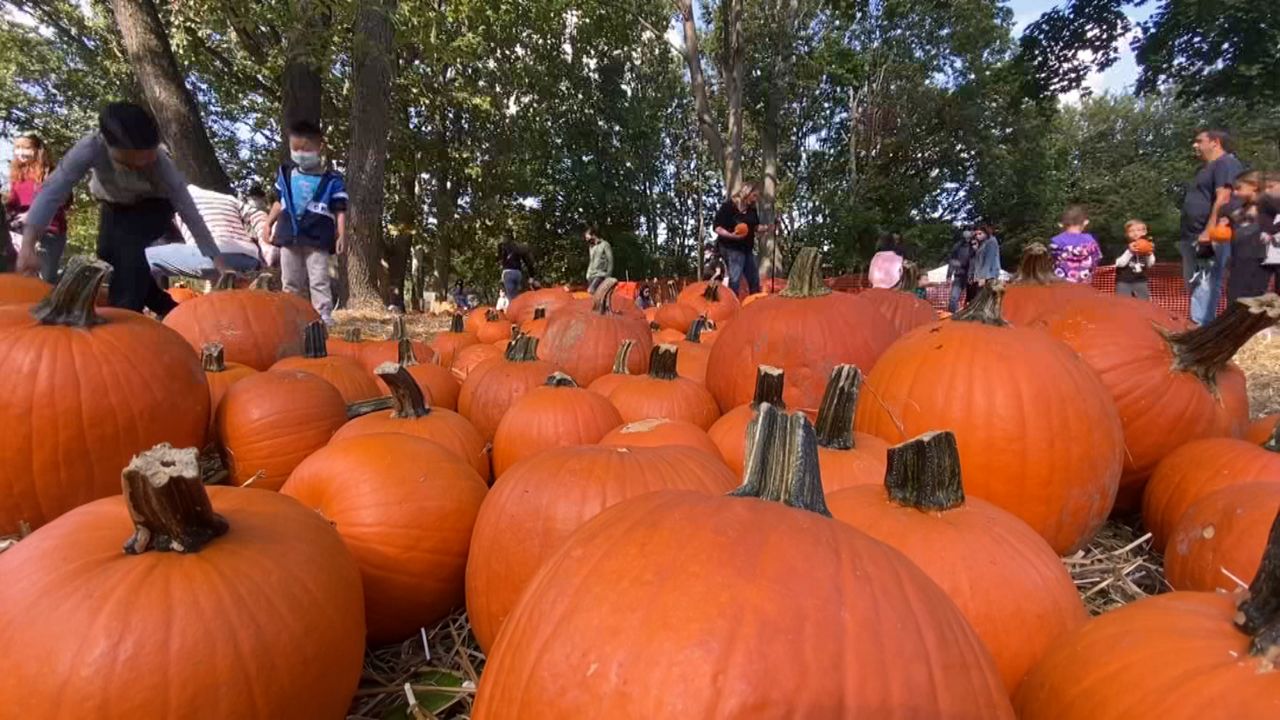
(310, 218)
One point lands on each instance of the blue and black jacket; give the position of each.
(318, 225)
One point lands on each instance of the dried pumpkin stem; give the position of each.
(623, 356)
(408, 400)
(540, 312)
(1259, 612)
(696, 329)
(910, 277)
(167, 502)
(352, 335)
(267, 282)
(1036, 266)
(782, 461)
(805, 279)
(227, 280)
(366, 407)
(458, 323)
(768, 387)
(398, 329)
(712, 292)
(1204, 351)
(559, 379)
(71, 303)
(213, 357)
(314, 344)
(839, 403)
(985, 308)
(404, 352)
(523, 349)
(924, 473)
(602, 300)
(662, 362)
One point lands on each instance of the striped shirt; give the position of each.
(235, 225)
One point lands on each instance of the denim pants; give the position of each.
(187, 260)
(511, 282)
(1204, 279)
(740, 264)
(959, 284)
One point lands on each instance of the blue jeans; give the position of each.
(594, 283)
(511, 281)
(740, 264)
(184, 259)
(959, 283)
(1204, 279)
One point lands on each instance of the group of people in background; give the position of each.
(973, 263)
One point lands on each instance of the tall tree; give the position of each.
(146, 42)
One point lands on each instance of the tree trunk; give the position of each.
(707, 124)
(302, 89)
(734, 72)
(405, 216)
(146, 44)
(371, 70)
(782, 24)
(446, 228)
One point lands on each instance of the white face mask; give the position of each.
(306, 160)
(24, 155)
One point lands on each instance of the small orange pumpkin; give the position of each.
(663, 393)
(256, 327)
(220, 375)
(1218, 542)
(469, 357)
(558, 414)
(729, 433)
(440, 385)
(376, 353)
(448, 344)
(675, 316)
(495, 385)
(1220, 233)
(661, 432)
(352, 381)
(711, 299)
(492, 327)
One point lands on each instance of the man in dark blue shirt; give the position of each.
(1207, 199)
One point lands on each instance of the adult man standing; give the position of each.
(1207, 199)
(600, 260)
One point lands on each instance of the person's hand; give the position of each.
(342, 244)
(28, 262)
(1204, 237)
(265, 236)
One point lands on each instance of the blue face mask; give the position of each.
(306, 160)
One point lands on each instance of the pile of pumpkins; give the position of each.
(704, 510)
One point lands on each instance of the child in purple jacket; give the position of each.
(1075, 252)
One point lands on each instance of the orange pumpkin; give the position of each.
(663, 393)
(846, 458)
(269, 422)
(18, 289)
(439, 384)
(476, 316)
(1019, 598)
(900, 305)
(350, 345)
(182, 293)
(221, 575)
(1170, 385)
(353, 382)
(741, 229)
(558, 414)
(667, 336)
(621, 364)
(740, 569)
(256, 327)
(1178, 656)
(1036, 290)
(729, 433)
(448, 344)
(661, 432)
(986, 381)
(537, 327)
(469, 357)
(1142, 246)
(805, 330)
(1220, 233)
(405, 507)
(88, 389)
(676, 317)
(377, 353)
(712, 300)
(493, 328)
(495, 385)
(1218, 542)
(1263, 431)
(539, 502)
(219, 375)
(1196, 469)
(693, 353)
(412, 415)
(583, 342)
(522, 307)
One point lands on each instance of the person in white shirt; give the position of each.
(234, 225)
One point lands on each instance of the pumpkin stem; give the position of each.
(458, 323)
(398, 329)
(662, 362)
(540, 312)
(1259, 612)
(624, 355)
(924, 473)
(712, 292)
(267, 282)
(768, 387)
(910, 277)
(213, 357)
(839, 403)
(523, 349)
(985, 308)
(366, 407)
(1273, 442)
(805, 279)
(1204, 351)
(404, 352)
(71, 302)
(491, 315)
(314, 344)
(167, 502)
(654, 327)
(602, 301)
(1036, 266)
(409, 402)
(352, 335)
(696, 329)
(559, 379)
(227, 281)
(782, 461)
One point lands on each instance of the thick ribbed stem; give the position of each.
(523, 349)
(924, 473)
(985, 308)
(405, 393)
(213, 357)
(696, 329)
(1204, 351)
(352, 335)
(167, 502)
(623, 357)
(910, 278)
(404, 352)
(559, 379)
(1036, 266)
(602, 300)
(458, 323)
(712, 292)
(71, 302)
(839, 403)
(805, 279)
(313, 340)
(768, 387)
(782, 461)
(662, 362)
(1259, 612)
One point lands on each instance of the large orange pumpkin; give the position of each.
(87, 389)
(675, 316)
(268, 423)
(605, 384)
(18, 289)
(413, 415)
(614, 608)
(552, 300)
(661, 432)
(492, 327)
(256, 327)
(495, 385)
(1005, 578)
(711, 299)
(1036, 290)
(537, 327)
(992, 385)
(379, 352)
(470, 357)
(900, 305)
(352, 381)
(220, 375)
(846, 458)
(805, 330)
(558, 414)
(584, 342)
(663, 393)
(1170, 385)
(440, 385)
(1179, 656)
(405, 507)
(193, 619)
(729, 433)
(539, 502)
(1218, 542)
(182, 293)
(447, 344)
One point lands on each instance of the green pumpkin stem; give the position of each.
(985, 308)
(168, 503)
(910, 278)
(314, 343)
(559, 379)
(407, 398)
(697, 328)
(782, 461)
(1206, 350)
(1036, 266)
(602, 300)
(523, 349)
(839, 403)
(404, 352)
(213, 357)
(805, 279)
(924, 473)
(623, 356)
(1259, 611)
(768, 387)
(662, 362)
(457, 323)
(71, 302)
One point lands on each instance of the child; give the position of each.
(313, 202)
(1249, 276)
(1075, 252)
(27, 173)
(1269, 209)
(1132, 265)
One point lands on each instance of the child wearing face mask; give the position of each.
(309, 219)
(138, 188)
(27, 173)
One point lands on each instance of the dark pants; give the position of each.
(512, 280)
(1250, 278)
(124, 232)
(741, 264)
(959, 288)
(1134, 289)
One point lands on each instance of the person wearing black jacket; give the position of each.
(958, 268)
(738, 249)
(514, 260)
(1249, 240)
